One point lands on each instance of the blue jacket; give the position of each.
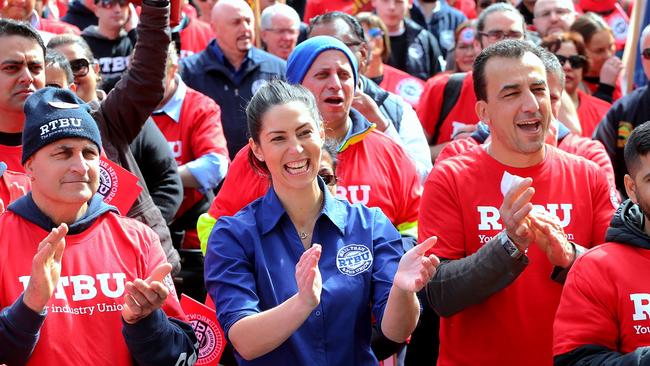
(250, 268)
(209, 75)
(442, 24)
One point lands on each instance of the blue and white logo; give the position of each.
(353, 259)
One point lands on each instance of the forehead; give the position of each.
(502, 71)
(70, 143)
(542, 5)
(567, 48)
(330, 59)
(503, 20)
(71, 51)
(284, 20)
(336, 28)
(19, 48)
(232, 11)
(286, 116)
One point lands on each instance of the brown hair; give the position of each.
(373, 21)
(589, 24)
(553, 43)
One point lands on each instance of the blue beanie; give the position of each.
(303, 56)
(53, 114)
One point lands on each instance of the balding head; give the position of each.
(645, 44)
(232, 23)
(553, 16)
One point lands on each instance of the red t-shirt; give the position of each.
(84, 322)
(605, 301)
(198, 132)
(12, 155)
(58, 27)
(318, 7)
(195, 37)
(431, 104)
(9, 177)
(460, 205)
(591, 111)
(403, 84)
(374, 171)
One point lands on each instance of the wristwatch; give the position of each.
(510, 247)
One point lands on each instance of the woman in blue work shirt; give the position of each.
(281, 298)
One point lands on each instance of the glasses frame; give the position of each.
(497, 35)
(78, 65)
(645, 54)
(576, 61)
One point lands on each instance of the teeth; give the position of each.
(297, 164)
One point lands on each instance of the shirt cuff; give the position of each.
(209, 170)
(25, 319)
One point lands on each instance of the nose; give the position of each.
(26, 76)
(530, 104)
(79, 164)
(334, 83)
(566, 66)
(296, 146)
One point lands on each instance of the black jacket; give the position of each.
(78, 14)
(424, 55)
(112, 54)
(627, 227)
(159, 169)
(442, 24)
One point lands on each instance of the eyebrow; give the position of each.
(282, 131)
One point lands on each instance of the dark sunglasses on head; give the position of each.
(80, 67)
(576, 61)
(646, 54)
(109, 3)
(329, 179)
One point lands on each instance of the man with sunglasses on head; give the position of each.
(625, 114)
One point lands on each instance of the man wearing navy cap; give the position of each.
(94, 291)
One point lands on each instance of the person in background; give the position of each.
(466, 48)
(58, 73)
(570, 50)
(440, 19)
(387, 77)
(413, 49)
(602, 78)
(553, 16)
(284, 267)
(279, 28)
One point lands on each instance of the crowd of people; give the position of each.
(406, 182)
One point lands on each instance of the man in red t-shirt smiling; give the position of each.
(508, 246)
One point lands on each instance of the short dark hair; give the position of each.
(275, 92)
(10, 27)
(498, 8)
(56, 59)
(637, 145)
(508, 48)
(552, 65)
(68, 39)
(354, 24)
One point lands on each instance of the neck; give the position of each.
(396, 29)
(235, 58)
(302, 206)
(376, 67)
(515, 160)
(59, 212)
(109, 32)
(340, 132)
(12, 122)
(575, 99)
(169, 92)
(427, 8)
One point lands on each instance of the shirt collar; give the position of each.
(173, 106)
(214, 46)
(359, 128)
(274, 210)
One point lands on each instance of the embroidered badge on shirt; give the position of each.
(353, 259)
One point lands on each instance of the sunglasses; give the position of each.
(109, 3)
(576, 61)
(329, 179)
(80, 67)
(646, 54)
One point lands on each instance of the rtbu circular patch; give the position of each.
(353, 259)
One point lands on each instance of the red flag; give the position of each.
(212, 340)
(117, 185)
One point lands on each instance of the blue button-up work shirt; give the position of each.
(250, 268)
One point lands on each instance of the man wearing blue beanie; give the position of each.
(95, 294)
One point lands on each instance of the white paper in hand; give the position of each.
(508, 181)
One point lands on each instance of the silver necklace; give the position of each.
(303, 235)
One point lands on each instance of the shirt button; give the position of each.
(317, 312)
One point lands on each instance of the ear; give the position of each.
(73, 88)
(630, 188)
(255, 148)
(29, 170)
(481, 109)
